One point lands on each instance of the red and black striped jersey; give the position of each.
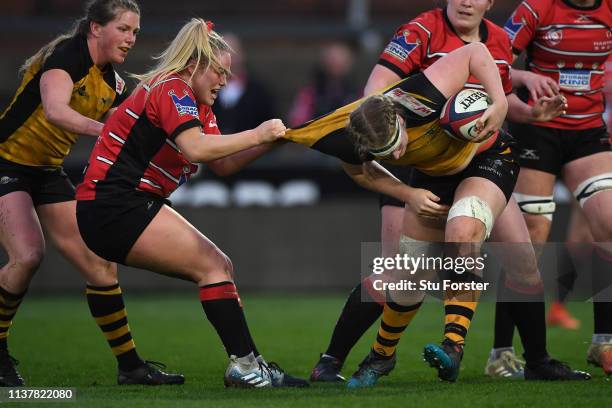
(569, 44)
(137, 150)
(419, 43)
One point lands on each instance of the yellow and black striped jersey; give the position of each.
(26, 137)
(429, 149)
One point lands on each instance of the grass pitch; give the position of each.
(59, 345)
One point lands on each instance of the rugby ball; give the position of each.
(460, 113)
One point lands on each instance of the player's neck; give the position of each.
(469, 36)
(583, 3)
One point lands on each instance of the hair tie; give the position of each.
(209, 25)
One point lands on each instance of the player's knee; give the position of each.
(468, 230)
(591, 187)
(476, 222)
(27, 262)
(215, 264)
(537, 206)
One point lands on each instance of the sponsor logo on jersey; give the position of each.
(553, 37)
(575, 80)
(184, 105)
(399, 47)
(119, 84)
(513, 26)
(410, 102)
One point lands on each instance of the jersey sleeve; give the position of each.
(68, 57)
(521, 26)
(173, 108)
(406, 50)
(209, 121)
(505, 65)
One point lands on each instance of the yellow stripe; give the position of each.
(3, 335)
(389, 336)
(458, 319)
(123, 348)
(397, 319)
(5, 324)
(116, 291)
(111, 317)
(383, 350)
(455, 337)
(111, 335)
(7, 311)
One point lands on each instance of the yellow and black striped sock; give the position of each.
(9, 303)
(458, 316)
(394, 321)
(107, 308)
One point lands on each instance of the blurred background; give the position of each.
(292, 220)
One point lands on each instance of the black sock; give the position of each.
(221, 304)
(567, 272)
(356, 318)
(528, 313)
(504, 325)
(107, 308)
(602, 286)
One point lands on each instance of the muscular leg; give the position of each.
(598, 211)
(22, 238)
(467, 233)
(359, 314)
(521, 290)
(103, 292)
(199, 260)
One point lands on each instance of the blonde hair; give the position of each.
(372, 124)
(98, 11)
(195, 43)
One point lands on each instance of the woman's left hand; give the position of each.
(547, 108)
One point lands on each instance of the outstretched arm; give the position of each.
(199, 148)
(235, 162)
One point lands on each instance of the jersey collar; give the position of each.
(574, 6)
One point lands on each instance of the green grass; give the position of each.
(59, 345)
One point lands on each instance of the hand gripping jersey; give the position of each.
(136, 151)
(421, 42)
(428, 149)
(569, 44)
(26, 137)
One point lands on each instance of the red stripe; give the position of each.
(227, 291)
(378, 297)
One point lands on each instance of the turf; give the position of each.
(59, 345)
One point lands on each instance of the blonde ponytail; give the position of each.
(195, 43)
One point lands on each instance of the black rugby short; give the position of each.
(46, 185)
(498, 164)
(549, 149)
(111, 227)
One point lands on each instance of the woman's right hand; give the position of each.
(539, 85)
(425, 204)
(270, 130)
